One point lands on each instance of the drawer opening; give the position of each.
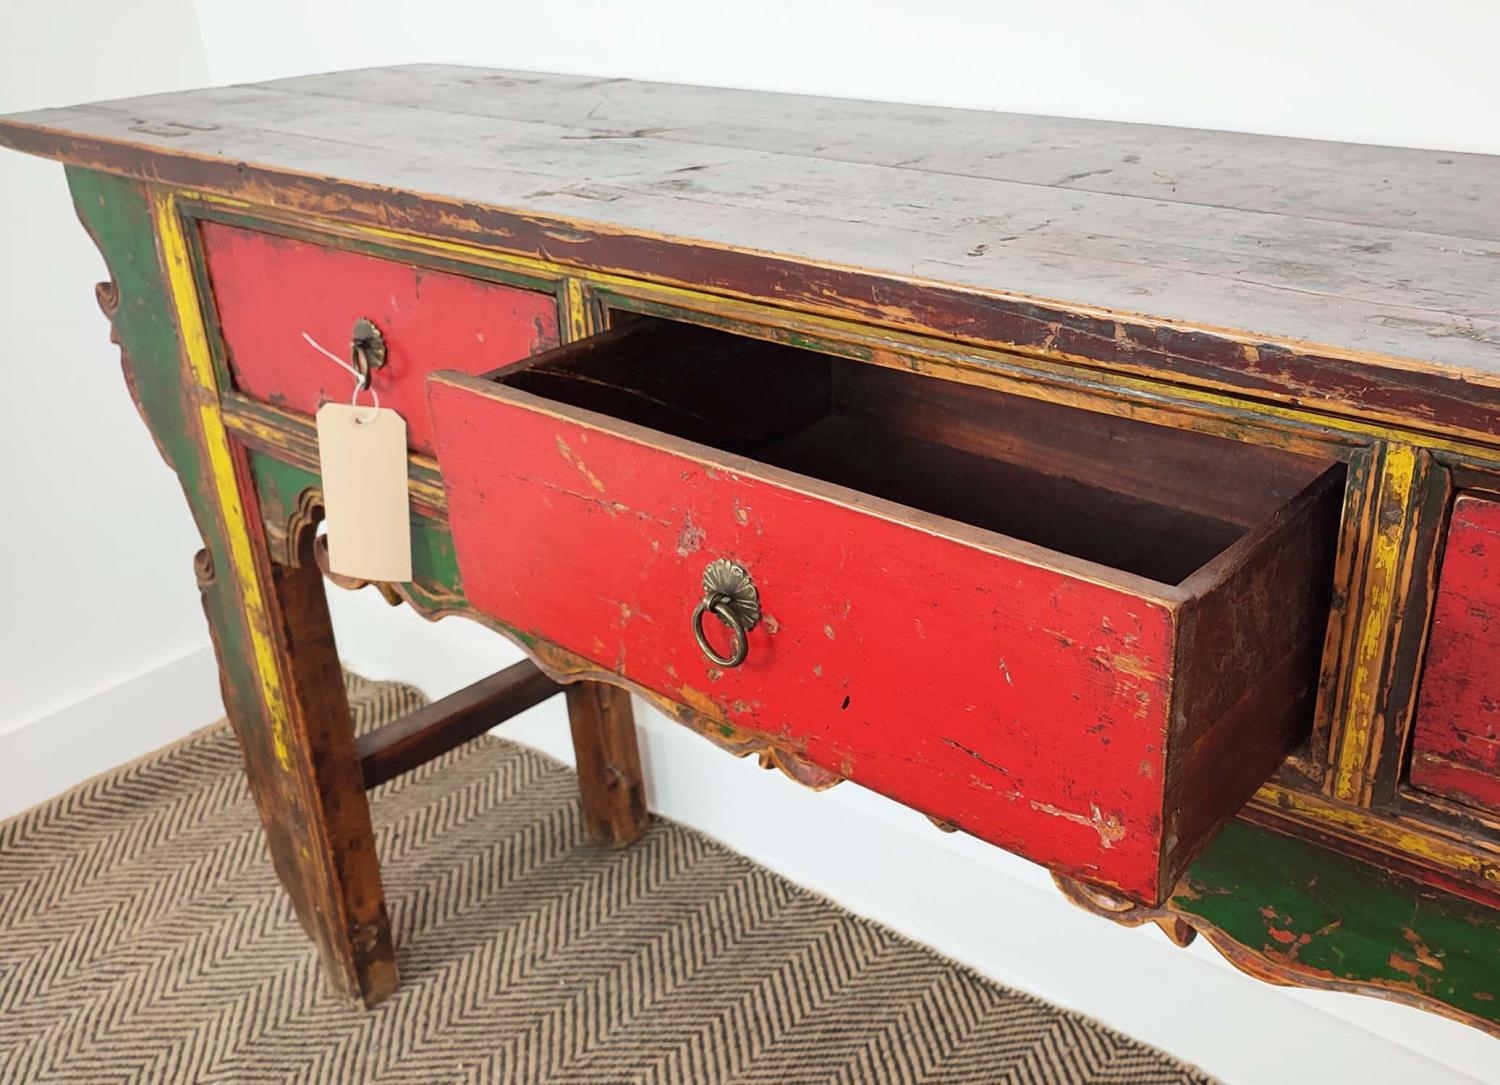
(1149, 500)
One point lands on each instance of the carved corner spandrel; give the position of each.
(1127, 913)
(107, 294)
(294, 542)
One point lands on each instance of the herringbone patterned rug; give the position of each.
(143, 938)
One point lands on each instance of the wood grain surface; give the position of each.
(1308, 271)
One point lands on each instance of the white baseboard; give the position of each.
(46, 756)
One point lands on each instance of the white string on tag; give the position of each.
(361, 381)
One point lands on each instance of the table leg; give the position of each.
(609, 764)
(283, 688)
(291, 715)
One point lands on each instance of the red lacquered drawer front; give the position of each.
(871, 662)
(1456, 744)
(268, 290)
(1030, 704)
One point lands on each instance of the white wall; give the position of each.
(1364, 71)
(95, 540)
(124, 602)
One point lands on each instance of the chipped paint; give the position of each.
(1360, 742)
(1288, 908)
(1125, 663)
(578, 465)
(220, 458)
(698, 702)
(690, 538)
(1109, 829)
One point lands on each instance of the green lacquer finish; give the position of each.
(279, 485)
(122, 218)
(1315, 915)
(435, 578)
(435, 588)
(117, 213)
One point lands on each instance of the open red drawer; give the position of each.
(1080, 637)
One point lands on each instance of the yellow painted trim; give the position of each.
(275, 434)
(1248, 342)
(1073, 380)
(576, 305)
(1363, 825)
(542, 269)
(1381, 584)
(220, 461)
(1069, 366)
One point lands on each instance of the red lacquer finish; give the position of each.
(1456, 744)
(1027, 706)
(268, 290)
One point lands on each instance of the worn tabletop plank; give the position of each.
(1352, 277)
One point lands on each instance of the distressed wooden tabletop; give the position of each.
(1298, 269)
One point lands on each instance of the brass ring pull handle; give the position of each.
(731, 596)
(366, 351)
(721, 610)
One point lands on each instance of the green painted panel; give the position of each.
(279, 485)
(434, 566)
(1314, 910)
(117, 213)
(118, 216)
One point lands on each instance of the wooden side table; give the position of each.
(1128, 498)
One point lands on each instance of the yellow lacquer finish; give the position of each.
(1393, 836)
(1054, 376)
(260, 424)
(576, 310)
(1359, 737)
(220, 459)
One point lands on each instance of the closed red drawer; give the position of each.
(1456, 740)
(268, 290)
(1103, 719)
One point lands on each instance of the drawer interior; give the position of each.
(1149, 500)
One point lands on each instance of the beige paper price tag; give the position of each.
(362, 454)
